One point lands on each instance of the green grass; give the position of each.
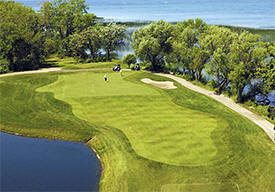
(259, 110)
(154, 125)
(149, 139)
(25, 111)
(70, 63)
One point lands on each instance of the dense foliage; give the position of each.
(62, 18)
(21, 37)
(233, 61)
(129, 59)
(151, 43)
(62, 27)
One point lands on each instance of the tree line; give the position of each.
(234, 61)
(62, 27)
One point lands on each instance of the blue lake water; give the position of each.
(29, 164)
(247, 13)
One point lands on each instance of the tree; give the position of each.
(151, 43)
(111, 38)
(21, 36)
(187, 53)
(266, 72)
(217, 42)
(129, 59)
(62, 18)
(200, 57)
(247, 54)
(87, 43)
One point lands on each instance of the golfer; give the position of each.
(105, 77)
(120, 72)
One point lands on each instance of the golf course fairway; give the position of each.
(147, 138)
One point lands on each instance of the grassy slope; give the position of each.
(25, 111)
(247, 155)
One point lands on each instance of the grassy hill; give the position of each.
(149, 139)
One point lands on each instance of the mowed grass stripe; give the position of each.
(157, 128)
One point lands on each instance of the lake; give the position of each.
(246, 13)
(29, 164)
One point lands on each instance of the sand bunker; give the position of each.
(160, 84)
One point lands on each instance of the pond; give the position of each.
(29, 164)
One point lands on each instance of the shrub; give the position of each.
(262, 110)
(4, 66)
(212, 84)
(129, 59)
(271, 112)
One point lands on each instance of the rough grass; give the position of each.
(244, 159)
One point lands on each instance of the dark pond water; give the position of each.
(29, 164)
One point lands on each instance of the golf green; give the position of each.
(157, 128)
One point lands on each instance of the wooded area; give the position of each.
(229, 60)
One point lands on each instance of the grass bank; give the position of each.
(149, 139)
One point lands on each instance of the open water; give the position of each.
(29, 164)
(246, 13)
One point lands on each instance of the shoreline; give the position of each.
(97, 155)
(147, 22)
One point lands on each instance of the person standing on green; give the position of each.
(120, 72)
(105, 77)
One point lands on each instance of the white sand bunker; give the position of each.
(160, 84)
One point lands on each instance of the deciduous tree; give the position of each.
(247, 54)
(21, 36)
(87, 43)
(151, 43)
(111, 37)
(63, 18)
(217, 42)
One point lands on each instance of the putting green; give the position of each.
(157, 128)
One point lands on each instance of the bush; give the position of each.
(50, 46)
(262, 110)
(212, 84)
(145, 65)
(129, 59)
(251, 103)
(271, 112)
(4, 66)
(187, 76)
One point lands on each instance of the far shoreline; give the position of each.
(137, 23)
